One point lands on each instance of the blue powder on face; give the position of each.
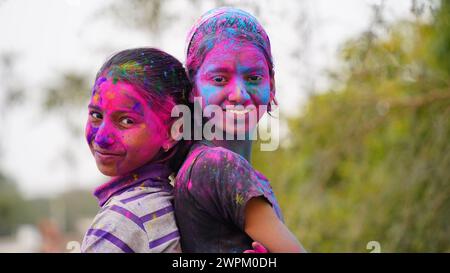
(209, 44)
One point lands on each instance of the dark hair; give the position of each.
(162, 81)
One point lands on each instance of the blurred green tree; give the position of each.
(12, 206)
(369, 159)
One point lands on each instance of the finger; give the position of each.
(258, 247)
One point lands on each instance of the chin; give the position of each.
(107, 170)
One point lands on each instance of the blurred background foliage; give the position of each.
(366, 160)
(369, 159)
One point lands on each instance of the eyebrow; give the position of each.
(218, 69)
(259, 69)
(94, 107)
(120, 110)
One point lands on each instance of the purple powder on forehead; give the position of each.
(97, 83)
(138, 108)
(225, 23)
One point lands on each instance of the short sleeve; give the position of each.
(222, 182)
(113, 232)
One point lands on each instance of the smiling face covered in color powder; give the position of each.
(122, 131)
(235, 76)
(229, 61)
(130, 111)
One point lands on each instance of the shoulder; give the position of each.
(204, 161)
(152, 210)
(115, 229)
(220, 159)
(220, 170)
(128, 218)
(142, 200)
(123, 212)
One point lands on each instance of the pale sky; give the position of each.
(50, 36)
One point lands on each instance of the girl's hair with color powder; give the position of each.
(160, 79)
(221, 24)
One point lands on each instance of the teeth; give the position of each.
(239, 112)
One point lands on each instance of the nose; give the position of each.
(104, 137)
(238, 93)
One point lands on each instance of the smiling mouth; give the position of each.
(106, 153)
(238, 112)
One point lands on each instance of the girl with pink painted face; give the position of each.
(221, 201)
(128, 135)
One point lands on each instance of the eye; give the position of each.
(219, 79)
(126, 121)
(254, 78)
(95, 115)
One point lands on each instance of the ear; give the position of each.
(272, 90)
(170, 140)
(168, 144)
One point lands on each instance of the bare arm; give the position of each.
(262, 225)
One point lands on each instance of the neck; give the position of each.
(241, 147)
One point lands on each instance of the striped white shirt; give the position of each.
(136, 214)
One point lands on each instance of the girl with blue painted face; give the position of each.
(221, 201)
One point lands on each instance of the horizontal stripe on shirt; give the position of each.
(128, 214)
(156, 214)
(164, 239)
(102, 234)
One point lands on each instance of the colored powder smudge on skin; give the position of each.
(110, 95)
(96, 98)
(251, 91)
(137, 107)
(97, 83)
(91, 134)
(100, 81)
(104, 140)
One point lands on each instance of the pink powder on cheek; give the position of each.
(140, 141)
(141, 144)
